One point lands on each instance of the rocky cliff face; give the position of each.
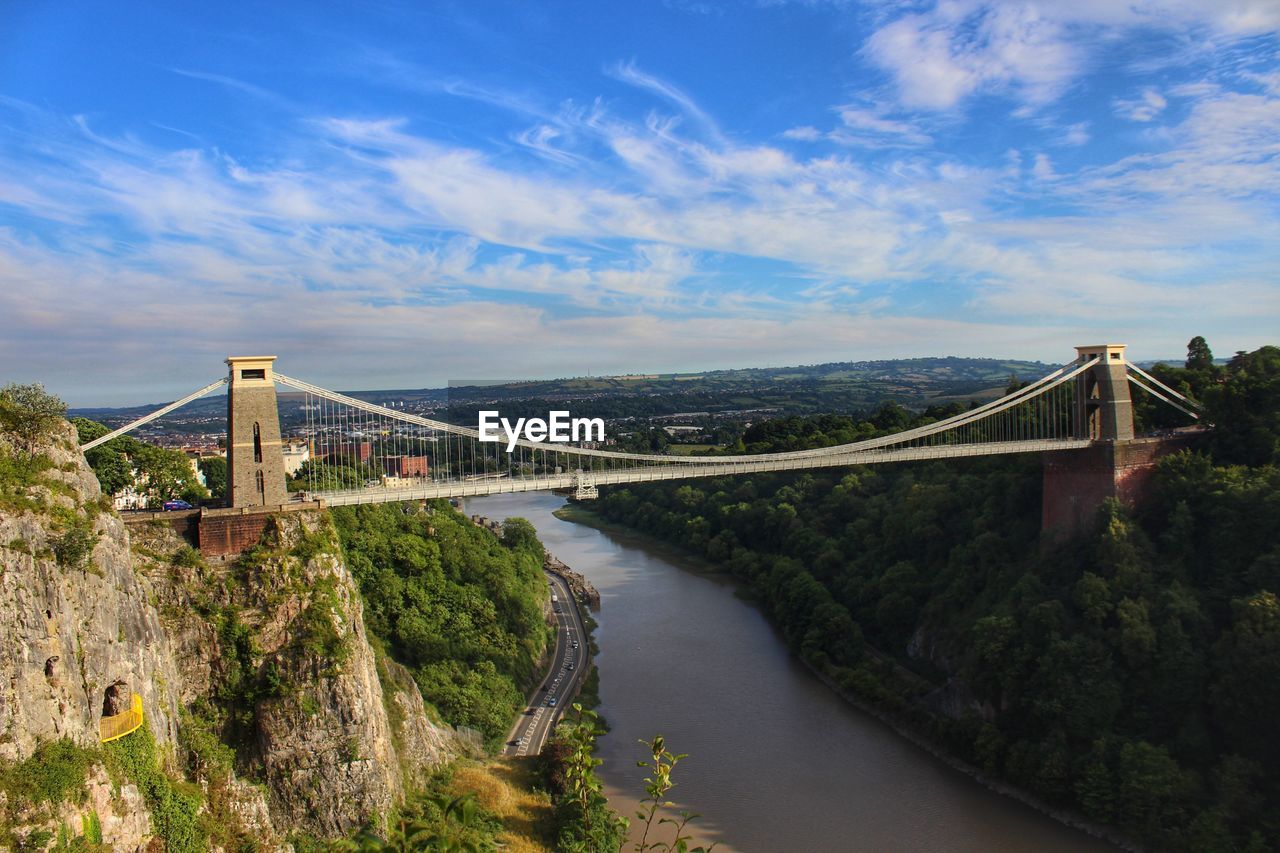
(267, 653)
(78, 628)
(273, 646)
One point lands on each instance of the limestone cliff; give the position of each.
(74, 638)
(257, 676)
(273, 651)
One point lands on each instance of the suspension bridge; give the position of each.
(359, 452)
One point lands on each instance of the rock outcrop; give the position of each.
(276, 639)
(578, 585)
(74, 639)
(267, 653)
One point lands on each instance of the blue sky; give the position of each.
(396, 194)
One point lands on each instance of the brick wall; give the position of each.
(185, 523)
(1076, 482)
(221, 535)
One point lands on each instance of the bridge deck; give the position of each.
(682, 471)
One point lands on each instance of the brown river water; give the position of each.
(776, 761)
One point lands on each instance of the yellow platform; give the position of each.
(119, 725)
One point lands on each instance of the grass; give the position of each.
(505, 787)
(32, 791)
(690, 449)
(18, 474)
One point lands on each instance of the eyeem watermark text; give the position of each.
(558, 427)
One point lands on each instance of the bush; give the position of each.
(54, 774)
(28, 413)
(174, 806)
(91, 825)
(186, 557)
(72, 549)
(18, 473)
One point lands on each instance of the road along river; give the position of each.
(777, 762)
(566, 668)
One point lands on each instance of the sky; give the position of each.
(393, 195)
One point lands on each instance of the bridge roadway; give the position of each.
(534, 726)
(681, 470)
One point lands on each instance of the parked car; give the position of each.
(172, 505)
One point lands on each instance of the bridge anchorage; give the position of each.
(344, 450)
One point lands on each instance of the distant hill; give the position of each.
(844, 386)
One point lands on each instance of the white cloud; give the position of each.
(804, 133)
(865, 127)
(1144, 107)
(231, 83)
(396, 248)
(939, 54)
(629, 73)
(1077, 134)
(862, 121)
(1228, 146)
(961, 49)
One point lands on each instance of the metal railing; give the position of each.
(118, 725)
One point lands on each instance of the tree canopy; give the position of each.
(1130, 674)
(28, 413)
(157, 472)
(461, 608)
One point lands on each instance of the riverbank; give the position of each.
(776, 760)
(581, 588)
(578, 514)
(895, 722)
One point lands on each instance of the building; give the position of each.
(390, 481)
(404, 466)
(344, 452)
(295, 454)
(129, 498)
(356, 451)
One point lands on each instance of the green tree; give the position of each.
(587, 824)
(1247, 693)
(1245, 409)
(520, 534)
(1149, 789)
(214, 469)
(160, 473)
(28, 413)
(1199, 356)
(1125, 672)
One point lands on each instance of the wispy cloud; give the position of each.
(230, 83)
(1144, 107)
(939, 59)
(941, 54)
(629, 72)
(906, 213)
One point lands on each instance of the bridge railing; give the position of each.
(118, 725)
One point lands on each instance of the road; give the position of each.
(534, 726)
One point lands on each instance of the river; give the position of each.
(776, 761)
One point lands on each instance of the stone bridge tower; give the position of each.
(1118, 465)
(1103, 406)
(255, 463)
